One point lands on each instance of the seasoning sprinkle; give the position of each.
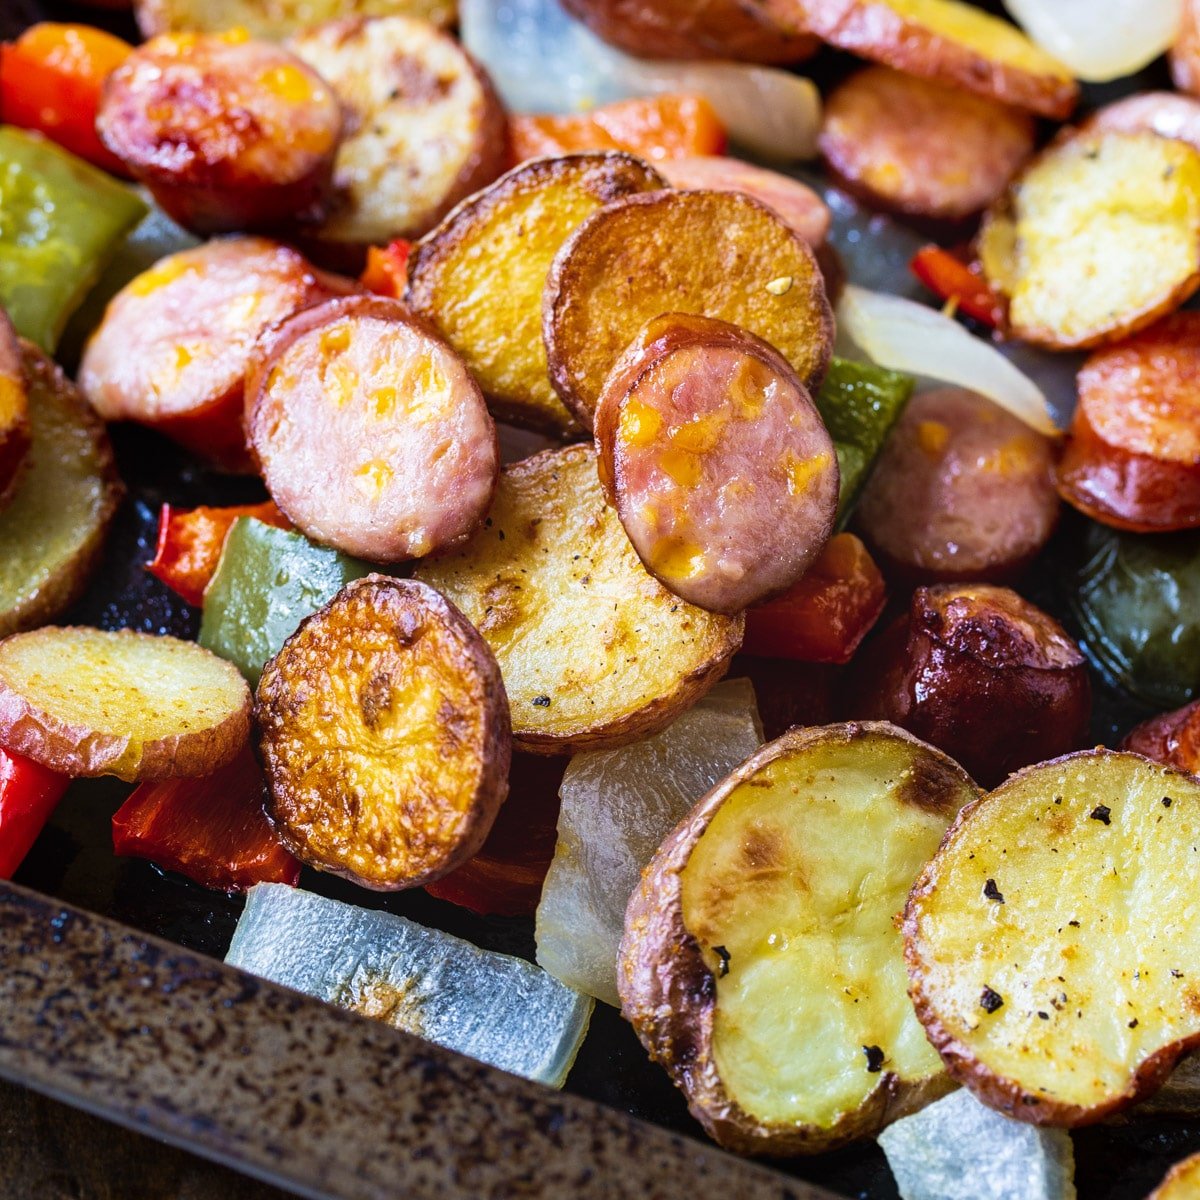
(1045, 1016)
(990, 1000)
(1167, 802)
(1134, 1023)
(723, 966)
(992, 892)
(541, 702)
(874, 1059)
(1101, 813)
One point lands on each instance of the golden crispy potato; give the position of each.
(714, 254)
(1182, 1181)
(1098, 238)
(940, 39)
(1053, 941)
(424, 126)
(276, 18)
(761, 963)
(594, 651)
(91, 702)
(14, 411)
(479, 276)
(384, 735)
(53, 530)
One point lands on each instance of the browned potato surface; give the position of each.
(479, 276)
(980, 673)
(1168, 114)
(90, 702)
(714, 254)
(14, 411)
(947, 40)
(1185, 54)
(762, 965)
(53, 529)
(228, 133)
(1182, 1181)
(595, 652)
(1172, 738)
(920, 147)
(1053, 941)
(384, 735)
(424, 126)
(276, 18)
(1096, 239)
(692, 29)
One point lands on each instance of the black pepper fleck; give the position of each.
(1073, 924)
(1101, 813)
(541, 702)
(874, 1059)
(1045, 1016)
(990, 1000)
(1167, 802)
(1134, 1023)
(992, 892)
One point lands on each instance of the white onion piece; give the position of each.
(957, 1149)
(1100, 40)
(494, 1008)
(907, 336)
(617, 806)
(543, 60)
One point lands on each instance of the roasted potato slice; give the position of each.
(594, 651)
(14, 410)
(940, 39)
(276, 18)
(424, 126)
(493, 318)
(1098, 238)
(384, 736)
(714, 254)
(1053, 942)
(761, 962)
(1182, 1181)
(52, 532)
(92, 702)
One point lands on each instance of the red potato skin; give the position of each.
(1172, 738)
(1168, 114)
(14, 400)
(770, 536)
(691, 29)
(1185, 54)
(468, 473)
(996, 1091)
(919, 147)
(980, 673)
(219, 154)
(963, 492)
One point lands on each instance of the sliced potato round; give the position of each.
(940, 39)
(1098, 238)
(1182, 1181)
(275, 18)
(713, 254)
(384, 735)
(1053, 943)
(424, 125)
(762, 964)
(14, 411)
(493, 318)
(53, 530)
(595, 652)
(92, 702)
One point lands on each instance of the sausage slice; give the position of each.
(962, 491)
(720, 468)
(14, 410)
(920, 147)
(174, 344)
(228, 133)
(371, 433)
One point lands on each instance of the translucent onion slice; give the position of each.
(543, 60)
(617, 806)
(907, 336)
(1100, 40)
(958, 1147)
(494, 1008)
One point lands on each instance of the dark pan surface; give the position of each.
(73, 861)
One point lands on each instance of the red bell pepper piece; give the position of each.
(29, 793)
(955, 281)
(190, 542)
(505, 878)
(386, 272)
(211, 829)
(51, 79)
(824, 617)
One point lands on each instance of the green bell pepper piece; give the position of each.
(61, 220)
(859, 403)
(267, 582)
(1137, 599)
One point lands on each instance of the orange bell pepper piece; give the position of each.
(386, 272)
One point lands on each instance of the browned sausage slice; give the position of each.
(962, 491)
(921, 147)
(14, 410)
(371, 433)
(722, 472)
(228, 133)
(797, 204)
(1166, 113)
(174, 344)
